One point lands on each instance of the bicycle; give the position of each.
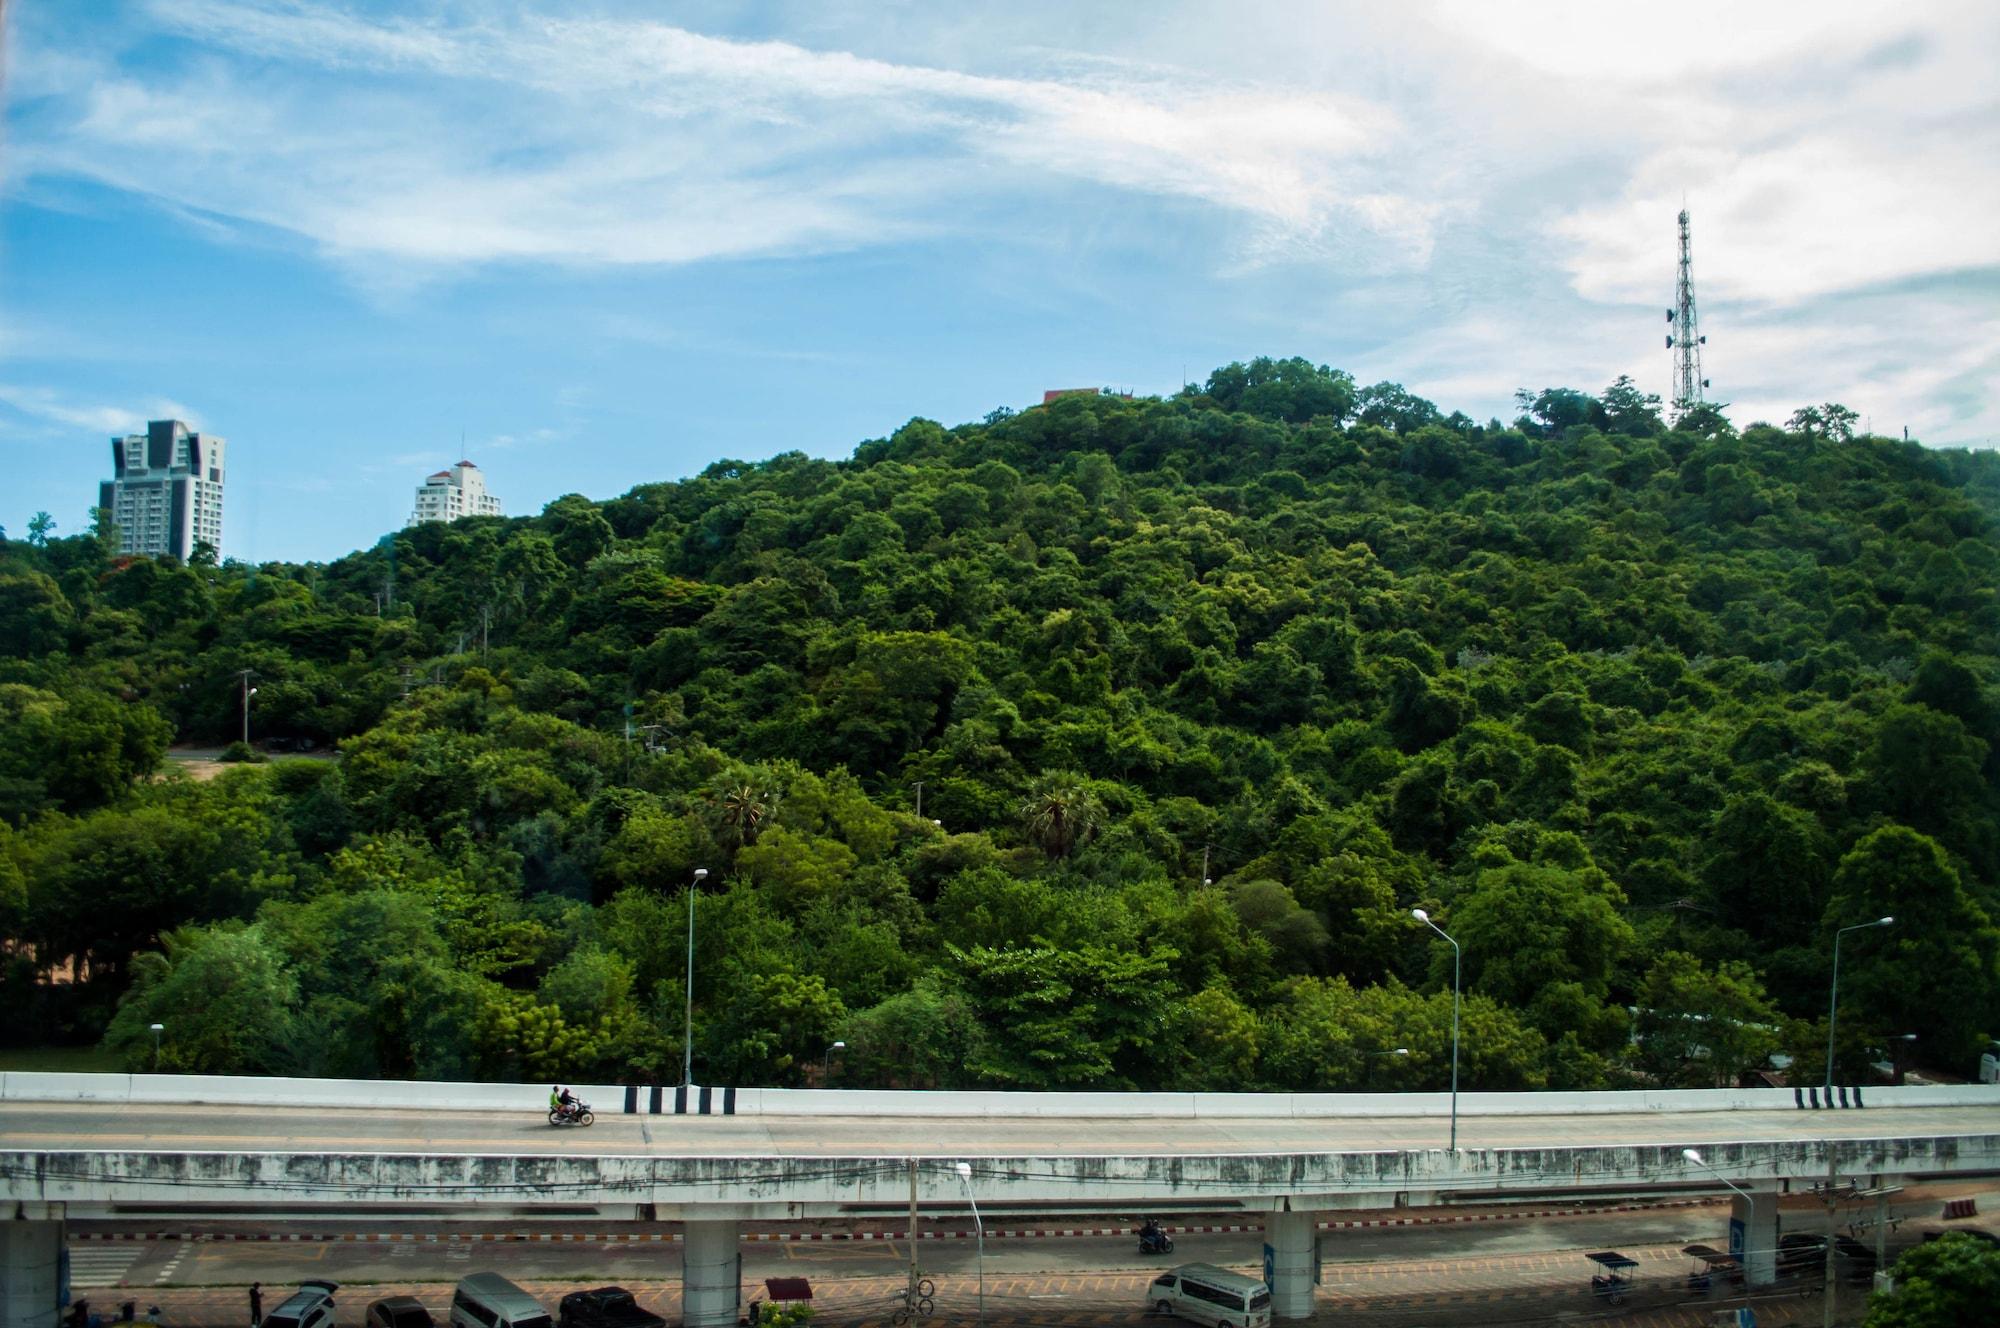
(926, 1303)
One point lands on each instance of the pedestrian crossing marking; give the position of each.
(93, 1266)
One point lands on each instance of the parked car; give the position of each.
(1803, 1253)
(399, 1312)
(311, 1306)
(488, 1300)
(606, 1307)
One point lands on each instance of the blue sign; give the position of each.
(1270, 1265)
(1736, 1242)
(1746, 1317)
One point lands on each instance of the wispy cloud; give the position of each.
(123, 418)
(441, 141)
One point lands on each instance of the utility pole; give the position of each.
(920, 800)
(1827, 1318)
(247, 691)
(1686, 340)
(916, 1273)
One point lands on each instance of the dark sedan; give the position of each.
(606, 1307)
(398, 1312)
(1803, 1253)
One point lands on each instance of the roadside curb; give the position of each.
(804, 1237)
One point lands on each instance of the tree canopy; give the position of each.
(1107, 743)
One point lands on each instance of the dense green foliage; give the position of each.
(958, 726)
(1951, 1282)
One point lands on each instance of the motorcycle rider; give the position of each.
(566, 1102)
(1151, 1237)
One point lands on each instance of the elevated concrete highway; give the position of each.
(91, 1145)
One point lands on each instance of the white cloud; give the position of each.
(604, 141)
(1484, 194)
(1661, 45)
(109, 420)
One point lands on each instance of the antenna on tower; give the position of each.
(1686, 340)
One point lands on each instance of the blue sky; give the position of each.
(608, 243)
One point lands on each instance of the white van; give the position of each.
(1211, 1295)
(488, 1300)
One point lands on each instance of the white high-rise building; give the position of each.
(451, 494)
(165, 493)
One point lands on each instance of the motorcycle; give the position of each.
(577, 1113)
(1152, 1240)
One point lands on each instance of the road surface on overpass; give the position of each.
(210, 1128)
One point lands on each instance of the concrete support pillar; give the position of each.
(1758, 1251)
(30, 1273)
(1290, 1236)
(709, 1274)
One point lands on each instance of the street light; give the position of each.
(1833, 1001)
(1695, 1157)
(826, 1061)
(964, 1170)
(1425, 918)
(157, 1030)
(687, 1029)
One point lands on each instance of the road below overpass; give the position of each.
(1502, 1269)
(42, 1126)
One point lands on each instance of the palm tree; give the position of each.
(744, 810)
(1061, 812)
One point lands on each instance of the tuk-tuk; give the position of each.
(1709, 1264)
(1615, 1280)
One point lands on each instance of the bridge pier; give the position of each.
(30, 1266)
(1759, 1215)
(711, 1273)
(1291, 1236)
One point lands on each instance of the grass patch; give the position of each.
(62, 1060)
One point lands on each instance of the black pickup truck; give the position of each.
(606, 1307)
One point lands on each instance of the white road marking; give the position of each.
(101, 1265)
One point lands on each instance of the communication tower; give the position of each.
(1686, 340)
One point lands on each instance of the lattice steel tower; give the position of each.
(1686, 340)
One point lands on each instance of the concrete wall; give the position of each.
(795, 1186)
(609, 1099)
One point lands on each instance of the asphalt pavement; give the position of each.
(1457, 1272)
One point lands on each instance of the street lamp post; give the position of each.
(826, 1061)
(157, 1030)
(1425, 918)
(1833, 1001)
(964, 1170)
(1695, 1157)
(687, 1028)
(248, 692)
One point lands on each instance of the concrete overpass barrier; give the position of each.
(610, 1099)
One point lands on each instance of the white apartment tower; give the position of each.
(165, 491)
(451, 494)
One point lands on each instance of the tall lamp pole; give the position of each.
(1425, 918)
(687, 1028)
(1695, 1157)
(1833, 1001)
(826, 1062)
(248, 692)
(964, 1170)
(157, 1030)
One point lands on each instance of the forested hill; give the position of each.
(1640, 716)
